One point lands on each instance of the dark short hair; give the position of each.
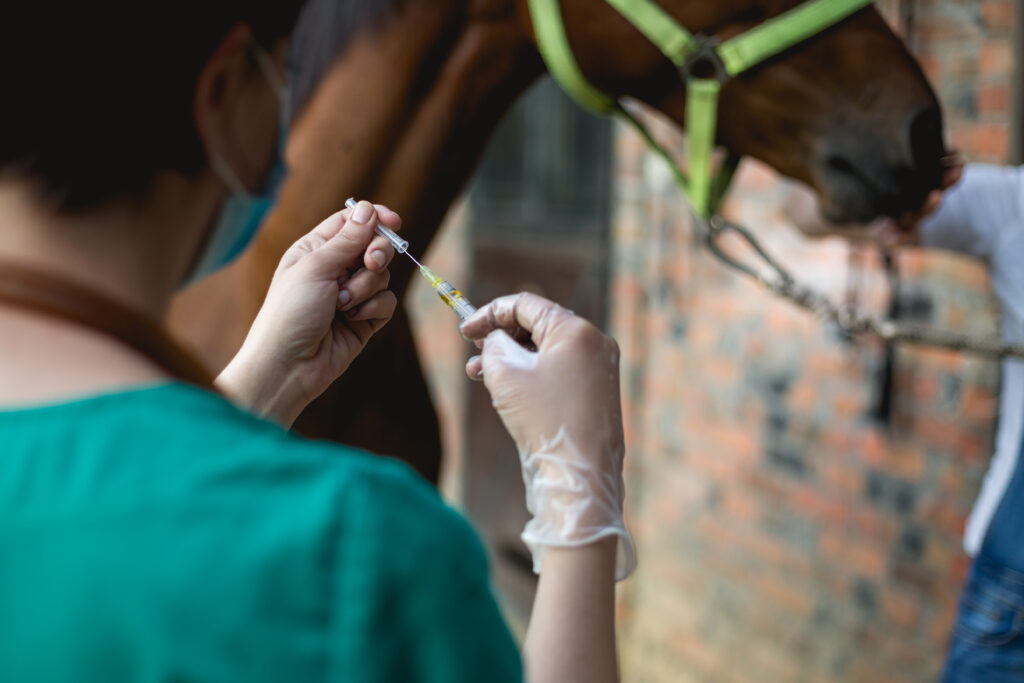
(97, 97)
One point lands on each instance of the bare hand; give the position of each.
(328, 297)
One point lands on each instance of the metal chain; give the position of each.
(780, 282)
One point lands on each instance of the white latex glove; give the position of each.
(562, 407)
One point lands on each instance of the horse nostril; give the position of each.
(841, 164)
(925, 137)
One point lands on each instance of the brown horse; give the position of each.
(404, 94)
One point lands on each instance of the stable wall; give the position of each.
(785, 533)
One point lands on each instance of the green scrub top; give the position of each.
(161, 534)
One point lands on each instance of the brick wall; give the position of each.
(784, 533)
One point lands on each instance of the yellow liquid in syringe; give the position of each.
(452, 297)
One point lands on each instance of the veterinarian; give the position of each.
(982, 215)
(157, 524)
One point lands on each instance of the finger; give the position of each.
(346, 248)
(475, 368)
(315, 238)
(931, 203)
(502, 357)
(537, 315)
(951, 176)
(356, 332)
(379, 254)
(389, 218)
(351, 336)
(379, 307)
(361, 287)
(330, 226)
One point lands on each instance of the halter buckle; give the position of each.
(705, 54)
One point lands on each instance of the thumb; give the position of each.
(502, 359)
(344, 251)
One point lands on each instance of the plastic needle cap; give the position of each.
(400, 245)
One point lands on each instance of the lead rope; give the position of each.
(778, 280)
(727, 60)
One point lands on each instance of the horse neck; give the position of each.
(402, 119)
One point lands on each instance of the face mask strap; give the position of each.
(228, 176)
(266, 64)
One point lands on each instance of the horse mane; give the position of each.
(323, 31)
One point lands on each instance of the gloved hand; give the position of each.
(328, 297)
(562, 407)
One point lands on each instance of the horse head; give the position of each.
(847, 111)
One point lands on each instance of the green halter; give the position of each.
(685, 50)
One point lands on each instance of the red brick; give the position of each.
(874, 449)
(997, 15)
(840, 480)
(941, 29)
(867, 559)
(725, 370)
(990, 142)
(995, 58)
(819, 505)
(994, 99)
(940, 629)
(946, 517)
(926, 388)
(739, 506)
(803, 397)
(907, 461)
(868, 522)
(869, 670)
(737, 441)
(963, 64)
(941, 431)
(978, 403)
(901, 609)
(794, 599)
(847, 405)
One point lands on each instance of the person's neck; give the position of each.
(133, 253)
(123, 251)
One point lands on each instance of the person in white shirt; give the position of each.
(981, 215)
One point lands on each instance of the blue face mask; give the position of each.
(243, 212)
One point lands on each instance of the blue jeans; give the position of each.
(988, 637)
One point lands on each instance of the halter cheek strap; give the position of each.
(727, 59)
(56, 297)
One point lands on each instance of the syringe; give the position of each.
(451, 296)
(401, 246)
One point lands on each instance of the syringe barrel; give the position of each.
(400, 245)
(463, 309)
(455, 300)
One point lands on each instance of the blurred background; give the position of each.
(798, 497)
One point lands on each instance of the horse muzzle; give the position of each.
(862, 176)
